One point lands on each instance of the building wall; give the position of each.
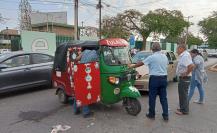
(43, 17)
(63, 31)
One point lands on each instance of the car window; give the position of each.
(17, 61)
(41, 58)
(173, 56)
(140, 56)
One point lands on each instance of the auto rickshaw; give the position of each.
(108, 80)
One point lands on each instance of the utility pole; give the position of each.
(99, 6)
(186, 36)
(76, 21)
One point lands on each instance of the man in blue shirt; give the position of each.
(157, 64)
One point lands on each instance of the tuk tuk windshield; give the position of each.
(116, 55)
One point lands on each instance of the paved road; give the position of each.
(38, 111)
(211, 61)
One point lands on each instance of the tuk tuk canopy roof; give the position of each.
(60, 59)
(113, 42)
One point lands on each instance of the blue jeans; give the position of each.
(193, 85)
(85, 109)
(157, 86)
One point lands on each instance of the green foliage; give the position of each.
(169, 23)
(209, 29)
(112, 27)
(166, 22)
(192, 40)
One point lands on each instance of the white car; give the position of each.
(2, 51)
(142, 82)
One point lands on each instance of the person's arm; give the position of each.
(140, 63)
(78, 57)
(190, 66)
(189, 69)
(135, 65)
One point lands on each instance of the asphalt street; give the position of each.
(39, 110)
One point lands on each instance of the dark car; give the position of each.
(19, 70)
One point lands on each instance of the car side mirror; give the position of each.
(3, 66)
(171, 62)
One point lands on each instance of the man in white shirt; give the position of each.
(183, 71)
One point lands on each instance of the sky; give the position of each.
(197, 9)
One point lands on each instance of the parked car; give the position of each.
(2, 51)
(212, 53)
(142, 82)
(19, 70)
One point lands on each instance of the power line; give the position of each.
(41, 2)
(54, 2)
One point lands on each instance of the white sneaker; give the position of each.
(199, 102)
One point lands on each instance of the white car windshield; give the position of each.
(140, 56)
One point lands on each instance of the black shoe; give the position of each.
(150, 116)
(166, 118)
(88, 115)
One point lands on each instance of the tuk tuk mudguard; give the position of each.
(130, 91)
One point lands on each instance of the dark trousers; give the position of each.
(157, 86)
(183, 86)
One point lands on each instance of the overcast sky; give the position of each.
(88, 13)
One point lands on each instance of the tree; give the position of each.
(192, 40)
(162, 21)
(112, 27)
(209, 29)
(169, 23)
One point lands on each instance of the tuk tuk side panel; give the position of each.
(87, 83)
(62, 81)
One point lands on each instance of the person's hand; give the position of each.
(183, 74)
(130, 65)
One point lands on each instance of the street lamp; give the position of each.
(186, 36)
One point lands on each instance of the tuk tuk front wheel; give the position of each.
(132, 106)
(63, 98)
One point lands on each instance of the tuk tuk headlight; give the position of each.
(114, 80)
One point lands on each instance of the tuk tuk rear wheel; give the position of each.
(63, 98)
(132, 106)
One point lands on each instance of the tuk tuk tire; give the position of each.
(132, 106)
(63, 98)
